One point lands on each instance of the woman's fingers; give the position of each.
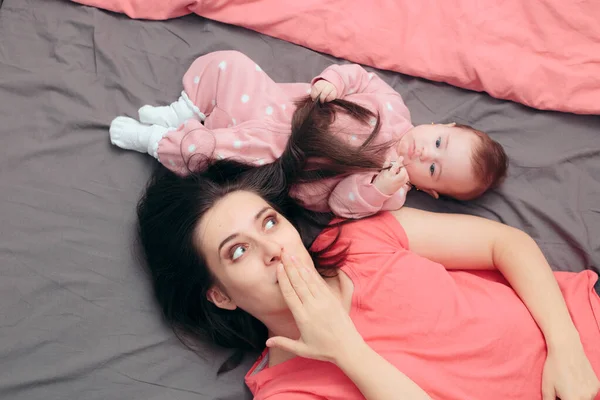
(311, 277)
(289, 293)
(297, 281)
(293, 346)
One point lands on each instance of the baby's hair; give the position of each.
(490, 164)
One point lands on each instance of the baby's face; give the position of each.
(438, 158)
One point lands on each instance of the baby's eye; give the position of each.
(271, 222)
(432, 169)
(237, 252)
(438, 142)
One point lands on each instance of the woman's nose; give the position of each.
(273, 252)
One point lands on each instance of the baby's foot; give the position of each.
(172, 115)
(129, 134)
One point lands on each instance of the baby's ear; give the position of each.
(220, 299)
(432, 193)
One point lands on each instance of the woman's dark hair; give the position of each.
(328, 154)
(172, 207)
(312, 140)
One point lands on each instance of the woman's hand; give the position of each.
(328, 334)
(569, 375)
(324, 91)
(326, 331)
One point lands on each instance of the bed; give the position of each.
(77, 317)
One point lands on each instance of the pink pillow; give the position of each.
(542, 53)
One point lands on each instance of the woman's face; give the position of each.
(241, 238)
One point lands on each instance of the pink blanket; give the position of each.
(542, 53)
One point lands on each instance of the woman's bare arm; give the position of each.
(466, 242)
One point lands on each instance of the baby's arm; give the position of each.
(393, 180)
(352, 78)
(357, 197)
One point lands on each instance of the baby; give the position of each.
(231, 108)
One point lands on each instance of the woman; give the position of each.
(411, 305)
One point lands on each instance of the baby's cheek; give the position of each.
(415, 176)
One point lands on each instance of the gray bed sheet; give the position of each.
(77, 317)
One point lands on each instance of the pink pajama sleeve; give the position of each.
(352, 78)
(356, 197)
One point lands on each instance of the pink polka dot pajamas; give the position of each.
(247, 117)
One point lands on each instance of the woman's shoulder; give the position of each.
(380, 233)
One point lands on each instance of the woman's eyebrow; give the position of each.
(261, 212)
(227, 239)
(234, 235)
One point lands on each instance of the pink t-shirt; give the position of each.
(457, 334)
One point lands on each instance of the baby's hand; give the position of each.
(392, 177)
(324, 91)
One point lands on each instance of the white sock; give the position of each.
(172, 115)
(129, 134)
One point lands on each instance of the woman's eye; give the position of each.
(438, 142)
(237, 252)
(271, 222)
(432, 169)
